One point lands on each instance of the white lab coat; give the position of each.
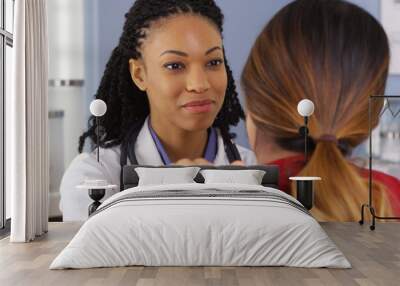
(74, 202)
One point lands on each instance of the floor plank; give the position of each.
(374, 255)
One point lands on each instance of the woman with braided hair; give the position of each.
(337, 55)
(170, 97)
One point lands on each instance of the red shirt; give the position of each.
(291, 166)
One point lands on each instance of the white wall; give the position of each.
(66, 62)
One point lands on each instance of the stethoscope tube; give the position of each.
(128, 148)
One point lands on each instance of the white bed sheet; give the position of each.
(200, 231)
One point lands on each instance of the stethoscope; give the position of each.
(128, 148)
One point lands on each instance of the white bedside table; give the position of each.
(305, 190)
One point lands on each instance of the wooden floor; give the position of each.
(375, 256)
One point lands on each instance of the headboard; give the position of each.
(130, 178)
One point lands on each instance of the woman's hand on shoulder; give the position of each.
(189, 162)
(238, 163)
(202, 161)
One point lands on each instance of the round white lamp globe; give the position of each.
(98, 107)
(305, 107)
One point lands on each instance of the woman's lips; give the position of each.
(198, 106)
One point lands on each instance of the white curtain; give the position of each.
(27, 123)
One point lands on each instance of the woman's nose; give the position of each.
(197, 81)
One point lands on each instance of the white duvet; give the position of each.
(143, 226)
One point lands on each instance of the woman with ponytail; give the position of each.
(337, 55)
(170, 97)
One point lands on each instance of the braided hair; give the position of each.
(127, 105)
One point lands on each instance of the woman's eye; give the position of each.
(215, 63)
(174, 66)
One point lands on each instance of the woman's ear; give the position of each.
(138, 75)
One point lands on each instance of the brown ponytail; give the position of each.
(341, 192)
(337, 55)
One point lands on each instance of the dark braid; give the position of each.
(126, 103)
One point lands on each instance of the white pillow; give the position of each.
(163, 176)
(248, 177)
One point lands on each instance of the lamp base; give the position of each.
(305, 190)
(305, 193)
(96, 195)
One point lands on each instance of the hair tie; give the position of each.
(327, 138)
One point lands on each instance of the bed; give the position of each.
(201, 223)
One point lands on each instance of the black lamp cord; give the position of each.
(98, 139)
(305, 139)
